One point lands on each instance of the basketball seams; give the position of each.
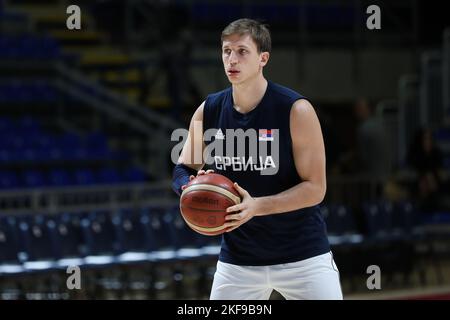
(212, 188)
(201, 209)
(224, 198)
(203, 229)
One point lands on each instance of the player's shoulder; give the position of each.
(302, 107)
(218, 95)
(284, 92)
(288, 99)
(215, 101)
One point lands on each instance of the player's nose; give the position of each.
(233, 58)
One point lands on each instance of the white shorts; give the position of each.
(316, 278)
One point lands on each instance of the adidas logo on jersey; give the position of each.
(219, 135)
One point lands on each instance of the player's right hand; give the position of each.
(199, 173)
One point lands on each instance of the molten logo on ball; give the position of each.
(204, 202)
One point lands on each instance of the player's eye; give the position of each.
(227, 51)
(242, 51)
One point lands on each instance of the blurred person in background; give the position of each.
(372, 145)
(426, 159)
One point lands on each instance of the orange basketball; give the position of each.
(204, 202)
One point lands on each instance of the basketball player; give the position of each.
(276, 237)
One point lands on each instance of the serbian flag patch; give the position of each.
(265, 135)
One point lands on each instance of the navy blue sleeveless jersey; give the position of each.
(277, 238)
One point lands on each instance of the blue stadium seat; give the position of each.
(390, 221)
(8, 139)
(34, 179)
(11, 254)
(9, 180)
(24, 92)
(341, 226)
(377, 217)
(108, 176)
(100, 154)
(102, 238)
(97, 145)
(161, 235)
(134, 174)
(10, 92)
(210, 245)
(59, 177)
(84, 177)
(55, 153)
(388, 242)
(79, 153)
(5, 155)
(406, 220)
(44, 141)
(133, 230)
(44, 92)
(96, 140)
(28, 46)
(374, 219)
(71, 234)
(28, 154)
(69, 140)
(187, 242)
(69, 147)
(17, 141)
(49, 48)
(28, 126)
(38, 234)
(6, 125)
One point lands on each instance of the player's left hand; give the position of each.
(247, 209)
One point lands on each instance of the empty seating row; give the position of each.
(25, 141)
(26, 92)
(34, 140)
(23, 124)
(378, 221)
(389, 235)
(42, 242)
(64, 177)
(29, 46)
(56, 154)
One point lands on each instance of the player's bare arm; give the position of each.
(192, 152)
(309, 156)
(194, 143)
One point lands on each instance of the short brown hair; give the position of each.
(258, 32)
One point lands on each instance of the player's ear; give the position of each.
(264, 58)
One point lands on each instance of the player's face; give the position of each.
(241, 59)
